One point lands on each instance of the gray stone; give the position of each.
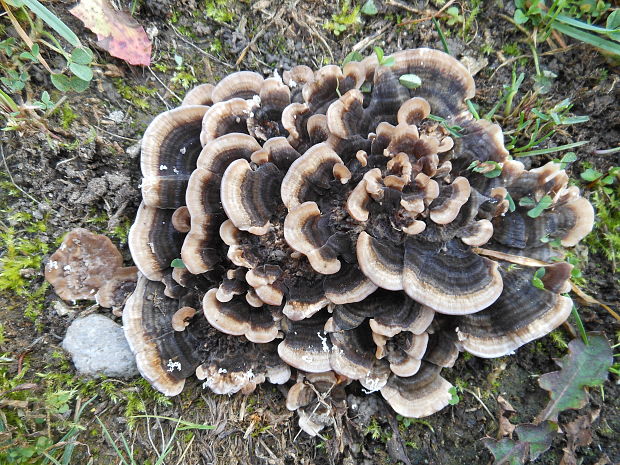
(98, 347)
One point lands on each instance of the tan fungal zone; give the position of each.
(341, 232)
(89, 266)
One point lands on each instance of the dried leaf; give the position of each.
(117, 31)
(583, 366)
(578, 434)
(505, 410)
(533, 441)
(505, 427)
(505, 405)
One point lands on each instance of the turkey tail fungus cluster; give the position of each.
(338, 223)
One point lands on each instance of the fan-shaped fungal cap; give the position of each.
(420, 395)
(115, 291)
(521, 314)
(181, 318)
(83, 263)
(348, 223)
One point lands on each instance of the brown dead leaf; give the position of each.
(113, 71)
(505, 405)
(505, 411)
(117, 31)
(604, 460)
(505, 427)
(578, 434)
(19, 404)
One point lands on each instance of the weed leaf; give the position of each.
(81, 71)
(369, 8)
(539, 437)
(583, 366)
(533, 441)
(507, 451)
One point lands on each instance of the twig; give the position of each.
(402, 5)
(592, 301)
(518, 259)
(130, 139)
(479, 400)
(257, 36)
(180, 461)
(366, 41)
(208, 55)
(550, 52)
(307, 26)
(164, 85)
(19, 188)
(426, 18)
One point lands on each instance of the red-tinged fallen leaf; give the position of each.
(117, 31)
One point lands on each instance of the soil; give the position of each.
(87, 175)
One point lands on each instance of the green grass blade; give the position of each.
(183, 425)
(595, 41)
(52, 21)
(441, 36)
(50, 458)
(550, 149)
(581, 25)
(169, 446)
(580, 327)
(106, 433)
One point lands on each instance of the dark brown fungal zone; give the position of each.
(339, 230)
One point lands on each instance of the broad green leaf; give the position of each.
(353, 56)
(520, 17)
(544, 203)
(511, 203)
(455, 398)
(369, 8)
(82, 71)
(533, 441)
(77, 84)
(507, 451)
(590, 175)
(82, 55)
(177, 263)
(389, 61)
(613, 22)
(379, 53)
(539, 437)
(61, 82)
(583, 366)
(410, 81)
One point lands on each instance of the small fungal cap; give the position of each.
(181, 318)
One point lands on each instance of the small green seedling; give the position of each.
(382, 59)
(539, 206)
(537, 278)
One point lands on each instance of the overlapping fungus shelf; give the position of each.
(332, 222)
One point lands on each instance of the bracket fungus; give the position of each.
(88, 266)
(331, 222)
